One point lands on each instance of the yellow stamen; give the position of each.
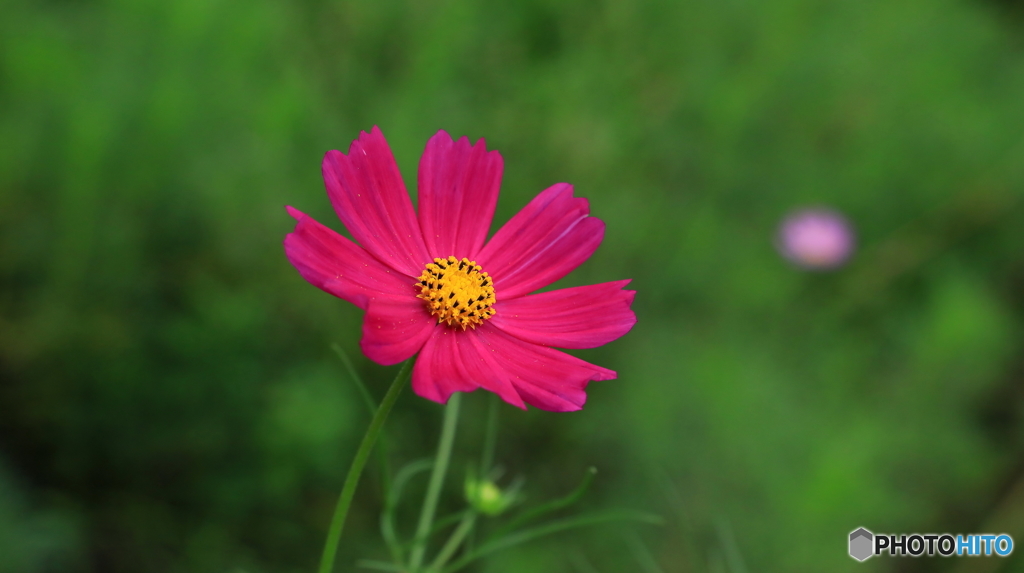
(457, 292)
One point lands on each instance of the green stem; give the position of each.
(382, 449)
(551, 506)
(490, 437)
(387, 518)
(553, 527)
(444, 452)
(348, 490)
(454, 542)
(487, 456)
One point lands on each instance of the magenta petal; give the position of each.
(483, 368)
(451, 361)
(395, 328)
(546, 378)
(338, 266)
(370, 198)
(438, 371)
(458, 189)
(545, 241)
(580, 317)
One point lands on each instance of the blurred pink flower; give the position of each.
(816, 238)
(431, 282)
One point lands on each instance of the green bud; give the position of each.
(487, 498)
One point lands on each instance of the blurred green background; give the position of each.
(169, 401)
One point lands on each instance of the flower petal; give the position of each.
(338, 266)
(483, 368)
(580, 317)
(546, 378)
(370, 198)
(450, 362)
(437, 372)
(458, 189)
(545, 241)
(395, 328)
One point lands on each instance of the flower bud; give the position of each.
(487, 498)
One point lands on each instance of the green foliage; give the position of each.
(169, 397)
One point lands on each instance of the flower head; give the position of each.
(430, 282)
(816, 238)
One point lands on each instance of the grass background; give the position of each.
(169, 401)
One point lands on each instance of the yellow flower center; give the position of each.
(457, 292)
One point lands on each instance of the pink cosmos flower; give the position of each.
(431, 282)
(816, 238)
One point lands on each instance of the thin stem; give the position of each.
(444, 452)
(356, 379)
(382, 449)
(551, 506)
(387, 518)
(490, 436)
(553, 527)
(487, 454)
(449, 549)
(348, 490)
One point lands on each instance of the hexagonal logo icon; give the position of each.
(861, 541)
